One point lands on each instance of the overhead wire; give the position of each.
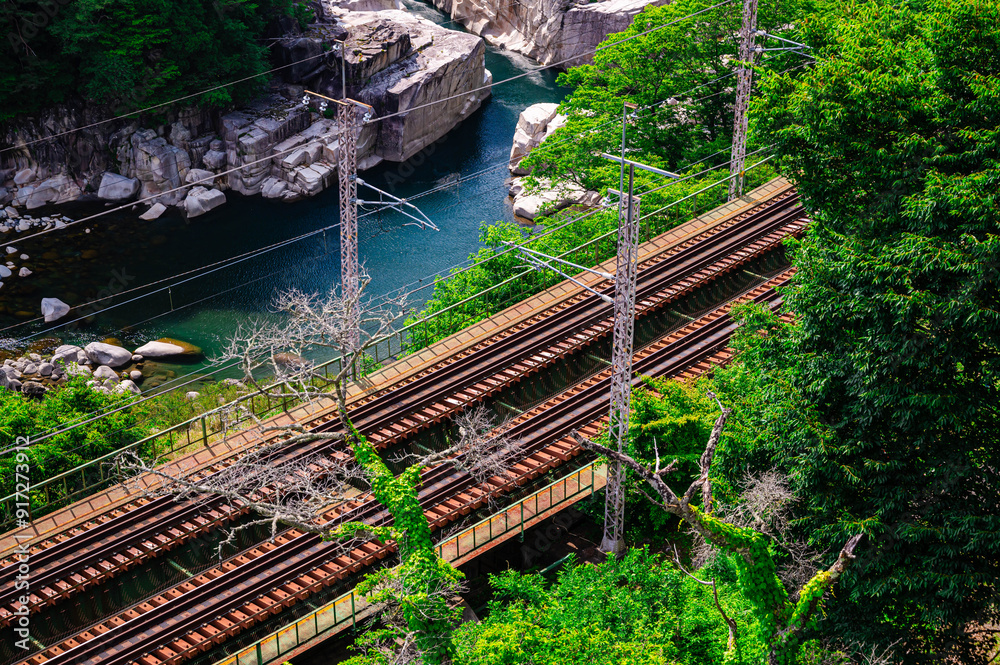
(92, 417)
(446, 185)
(385, 117)
(323, 54)
(25, 144)
(576, 58)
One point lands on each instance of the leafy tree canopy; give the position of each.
(680, 72)
(636, 611)
(22, 416)
(882, 400)
(131, 54)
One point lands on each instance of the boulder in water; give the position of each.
(166, 347)
(57, 189)
(67, 353)
(127, 386)
(118, 188)
(100, 353)
(54, 309)
(154, 212)
(532, 127)
(201, 200)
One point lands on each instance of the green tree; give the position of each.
(783, 620)
(639, 610)
(678, 70)
(674, 420)
(883, 401)
(693, 56)
(22, 416)
(132, 54)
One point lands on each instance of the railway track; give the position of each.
(121, 539)
(209, 609)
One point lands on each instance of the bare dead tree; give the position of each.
(765, 505)
(301, 491)
(284, 487)
(788, 620)
(273, 351)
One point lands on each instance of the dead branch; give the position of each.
(700, 520)
(731, 623)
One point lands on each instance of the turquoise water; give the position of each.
(77, 266)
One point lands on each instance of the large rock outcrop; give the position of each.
(440, 64)
(275, 146)
(535, 124)
(554, 32)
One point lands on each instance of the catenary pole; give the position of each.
(744, 78)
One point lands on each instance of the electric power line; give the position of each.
(93, 416)
(555, 64)
(385, 117)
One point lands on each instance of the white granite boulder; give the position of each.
(24, 176)
(531, 129)
(272, 188)
(554, 32)
(117, 188)
(127, 385)
(100, 353)
(166, 348)
(57, 189)
(159, 166)
(154, 212)
(68, 353)
(201, 177)
(549, 198)
(54, 309)
(201, 200)
(104, 372)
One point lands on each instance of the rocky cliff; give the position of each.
(277, 146)
(535, 124)
(563, 32)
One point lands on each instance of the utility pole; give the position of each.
(351, 118)
(621, 365)
(743, 80)
(624, 336)
(624, 329)
(347, 173)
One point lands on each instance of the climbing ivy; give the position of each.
(780, 622)
(419, 585)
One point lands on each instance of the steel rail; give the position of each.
(543, 427)
(511, 349)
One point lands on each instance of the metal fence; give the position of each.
(349, 609)
(98, 474)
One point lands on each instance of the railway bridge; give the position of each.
(119, 578)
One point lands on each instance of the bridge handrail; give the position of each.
(7, 502)
(254, 654)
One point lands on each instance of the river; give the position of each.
(120, 252)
